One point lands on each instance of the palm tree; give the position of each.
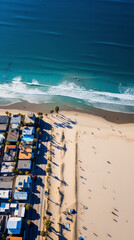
(35, 140)
(40, 113)
(29, 222)
(46, 114)
(56, 109)
(28, 206)
(51, 111)
(6, 112)
(47, 224)
(10, 114)
(38, 129)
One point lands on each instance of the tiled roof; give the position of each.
(10, 153)
(13, 135)
(24, 164)
(25, 152)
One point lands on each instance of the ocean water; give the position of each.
(77, 53)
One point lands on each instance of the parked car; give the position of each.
(39, 145)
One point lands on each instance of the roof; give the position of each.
(5, 194)
(20, 196)
(30, 119)
(10, 153)
(3, 127)
(13, 238)
(28, 130)
(24, 164)
(16, 119)
(25, 152)
(4, 119)
(23, 182)
(14, 225)
(20, 212)
(7, 167)
(6, 182)
(1, 138)
(13, 135)
(4, 207)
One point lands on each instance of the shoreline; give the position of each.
(114, 117)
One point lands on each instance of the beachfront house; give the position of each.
(14, 225)
(24, 165)
(6, 182)
(15, 121)
(13, 135)
(30, 119)
(27, 131)
(10, 153)
(23, 182)
(5, 194)
(4, 208)
(18, 209)
(26, 151)
(7, 167)
(20, 196)
(4, 121)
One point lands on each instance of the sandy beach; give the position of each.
(92, 172)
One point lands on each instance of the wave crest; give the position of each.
(30, 92)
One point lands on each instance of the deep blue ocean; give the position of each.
(77, 53)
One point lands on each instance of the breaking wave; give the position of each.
(35, 93)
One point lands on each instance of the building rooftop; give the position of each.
(3, 127)
(16, 119)
(4, 207)
(25, 152)
(7, 167)
(4, 119)
(10, 153)
(14, 225)
(6, 182)
(24, 164)
(13, 135)
(28, 130)
(23, 182)
(30, 119)
(23, 196)
(13, 238)
(1, 138)
(5, 194)
(20, 211)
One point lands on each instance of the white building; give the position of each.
(23, 182)
(14, 225)
(5, 194)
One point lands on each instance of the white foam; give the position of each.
(19, 90)
(74, 91)
(34, 83)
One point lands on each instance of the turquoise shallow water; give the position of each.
(77, 53)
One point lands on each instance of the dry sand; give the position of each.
(104, 195)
